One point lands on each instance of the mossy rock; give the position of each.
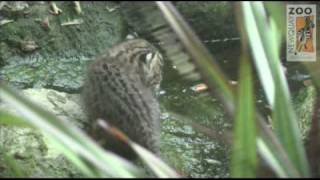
(303, 102)
(61, 53)
(29, 148)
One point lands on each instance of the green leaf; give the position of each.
(12, 120)
(156, 164)
(255, 42)
(217, 80)
(286, 127)
(76, 145)
(277, 11)
(244, 155)
(14, 167)
(271, 158)
(263, 35)
(201, 56)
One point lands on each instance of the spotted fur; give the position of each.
(120, 88)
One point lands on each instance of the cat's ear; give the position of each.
(147, 58)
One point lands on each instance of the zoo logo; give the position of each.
(301, 34)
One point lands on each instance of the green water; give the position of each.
(190, 151)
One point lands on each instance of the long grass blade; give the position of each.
(154, 163)
(14, 167)
(68, 136)
(9, 119)
(187, 37)
(270, 157)
(201, 56)
(266, 40)
(244, 156)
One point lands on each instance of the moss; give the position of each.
(64, 51)
(303, 101)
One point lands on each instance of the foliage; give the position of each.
(281, 148)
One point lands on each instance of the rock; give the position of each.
(57, 57)
(36, 156)
(179, 141)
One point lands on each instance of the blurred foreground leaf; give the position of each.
(244, 156)
(76, 145)
(154, 163)
(7, 118)
(264, 38)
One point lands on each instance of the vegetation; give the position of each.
(280, 147)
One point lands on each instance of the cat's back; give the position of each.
(114, 91)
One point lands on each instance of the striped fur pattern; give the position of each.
(120, 88)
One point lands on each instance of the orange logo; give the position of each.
(304, 37)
